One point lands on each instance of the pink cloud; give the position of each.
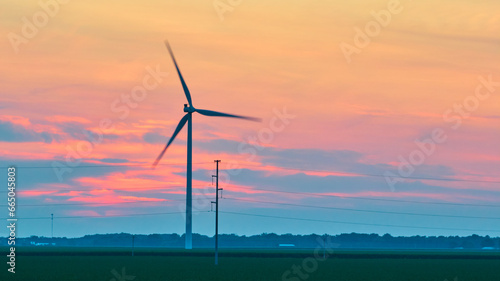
(34, 193)
(135, 198)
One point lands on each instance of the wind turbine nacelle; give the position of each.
(188, 108)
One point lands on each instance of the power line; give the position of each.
(258, 201)
(274, 191)
(265, 216)
(365, 198)
(283, 168)
(357, 223)
(360, 210)
(104, 166)
(109, 216)
(92, 204)
(132, 189)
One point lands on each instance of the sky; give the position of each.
(377, 116)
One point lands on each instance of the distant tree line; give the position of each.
(270, 240)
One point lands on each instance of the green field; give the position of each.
(180, 265)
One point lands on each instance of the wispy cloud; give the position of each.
(10, 132)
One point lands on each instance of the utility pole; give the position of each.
(52, 225)
(216, 211)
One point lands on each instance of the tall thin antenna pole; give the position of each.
(52, 225)
(217, 212)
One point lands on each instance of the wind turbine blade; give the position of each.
(177, 130)
(220, 114)
(184, 86)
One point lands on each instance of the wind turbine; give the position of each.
(190, 109)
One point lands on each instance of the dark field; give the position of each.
(116, 264)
